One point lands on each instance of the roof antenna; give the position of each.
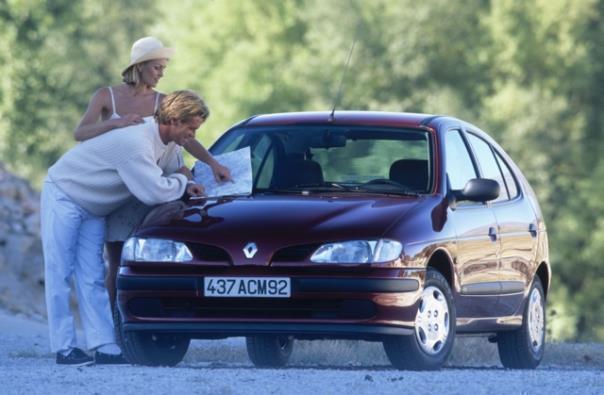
(337, 99)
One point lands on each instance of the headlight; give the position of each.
(358, 251)
(155, 250)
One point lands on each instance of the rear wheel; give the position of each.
(431, 343)
(150, 349)
(269, 351)
(523, 348)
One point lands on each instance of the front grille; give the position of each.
(295, 254)
(227, 308)
(205, 252)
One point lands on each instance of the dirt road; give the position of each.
(222, 367)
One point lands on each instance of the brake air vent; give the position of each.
(254, 308)
(205, 252)
(295, 253)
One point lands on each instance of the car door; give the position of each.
(477, 244)
(516, 222)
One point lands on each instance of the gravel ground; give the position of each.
(320, 367)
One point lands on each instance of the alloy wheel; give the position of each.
(432, 321)
(536, 321)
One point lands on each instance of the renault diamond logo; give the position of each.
(250, 250)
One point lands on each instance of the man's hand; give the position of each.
(221, 173)
(195, 190)
(186, 171)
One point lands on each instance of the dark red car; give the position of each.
(401, 228)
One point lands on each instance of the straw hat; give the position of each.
(148, 48)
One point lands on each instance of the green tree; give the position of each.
(545, 112)
(249, 57)
(237, 55)
(54, 55)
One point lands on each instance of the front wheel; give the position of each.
(523, 348)
(269, 351)
(432, 341)
(150, 349)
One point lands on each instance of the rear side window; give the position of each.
(460, 168)
(488, 164)
(508, 176)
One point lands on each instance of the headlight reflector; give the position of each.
(155, 250)
(358, 251)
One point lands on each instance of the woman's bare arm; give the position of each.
(90, 126)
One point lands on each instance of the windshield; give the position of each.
(304, 158)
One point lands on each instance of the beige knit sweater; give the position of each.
(102, 173)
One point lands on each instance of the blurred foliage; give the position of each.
(53, 56)
(530, 73)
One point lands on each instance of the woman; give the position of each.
(127, 104)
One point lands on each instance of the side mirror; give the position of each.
(478, 190)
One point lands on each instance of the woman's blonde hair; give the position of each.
(132, 75)
(181, 106)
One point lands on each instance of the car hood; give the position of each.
(276, 221)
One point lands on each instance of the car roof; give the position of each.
(373, 118)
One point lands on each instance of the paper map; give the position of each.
(239, 164)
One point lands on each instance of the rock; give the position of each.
(21, 263)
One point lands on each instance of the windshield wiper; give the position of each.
(387, 186)
(322, 186)
(337, 187)
(386, 191)
(315, 187)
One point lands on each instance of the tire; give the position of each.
(427, 348)
(150, 349)
(269, 351)
(117, 327)
(523, 348)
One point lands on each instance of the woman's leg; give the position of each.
(114, 255)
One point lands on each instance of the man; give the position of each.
(87, 183)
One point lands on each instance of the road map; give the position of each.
(239, 163)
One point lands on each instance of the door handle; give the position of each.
(533, 230)
(493, 234)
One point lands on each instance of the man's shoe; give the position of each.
(100, 358)
(76, 357)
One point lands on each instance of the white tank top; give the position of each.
(115, 115)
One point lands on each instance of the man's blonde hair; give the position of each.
(181, 106)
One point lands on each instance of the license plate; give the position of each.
(247, 287)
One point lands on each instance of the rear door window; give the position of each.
(488, 164)
(508, 176)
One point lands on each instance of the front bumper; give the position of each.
(195, 284)
(298, 330)
(319, 307)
